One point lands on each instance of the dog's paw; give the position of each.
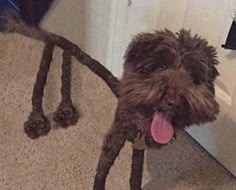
(66, 115)
(36, 126)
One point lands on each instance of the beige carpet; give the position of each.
(66, 159)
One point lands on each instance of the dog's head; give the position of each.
(172, 75)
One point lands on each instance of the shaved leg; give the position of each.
(137, 169)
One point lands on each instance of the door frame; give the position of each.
(117, 31)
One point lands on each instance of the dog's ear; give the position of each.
(196, 43)
(213, 61)
(148, 50)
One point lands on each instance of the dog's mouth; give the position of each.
(162, 130)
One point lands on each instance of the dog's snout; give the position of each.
(170, 103)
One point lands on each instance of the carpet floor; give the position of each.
(66, 159)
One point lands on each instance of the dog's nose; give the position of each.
(169, 104)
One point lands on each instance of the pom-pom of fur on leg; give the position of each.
(66, 115)
(37, 125)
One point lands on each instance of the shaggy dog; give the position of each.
(167, 84)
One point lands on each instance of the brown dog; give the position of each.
(168, 84)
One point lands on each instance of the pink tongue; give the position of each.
(161, 129)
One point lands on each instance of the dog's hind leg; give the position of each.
(37, 123)
(66, 113)
(137, 169)
(113, 143)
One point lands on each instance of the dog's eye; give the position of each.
(151, 67)
(196, 79)
(148, 68)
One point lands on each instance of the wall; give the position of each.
(85, 22)
(67, 18)
(97, 26)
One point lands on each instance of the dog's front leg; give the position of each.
(137, 169)
(114, 141)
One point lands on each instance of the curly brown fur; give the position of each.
(37, 124)
(66, 113)
(164, 73)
